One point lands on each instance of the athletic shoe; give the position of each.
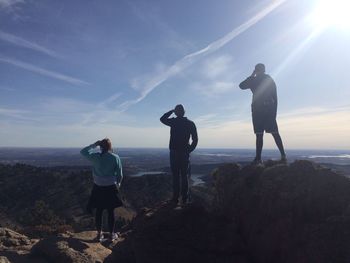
(114, 236)
(283, 159)
(257, 162)
(101, 237)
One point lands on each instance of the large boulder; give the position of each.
(295, 213)
(174, 234)
(15, 247)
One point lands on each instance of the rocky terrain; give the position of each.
(278, 213)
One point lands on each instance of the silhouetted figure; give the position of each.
(181, 130)
(107, 174)
(264, 109)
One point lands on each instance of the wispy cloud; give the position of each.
(42, 71)
(11, 112)
(153, 18)
(12, 8)
(109, 100)
(189, 59)
(68, 111)
(16, 115)
(213, 89)
(18, 41)
(9, 3)
(215, 76)
(216, 67)
(7, 88)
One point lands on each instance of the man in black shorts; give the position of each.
(181, 129)
(264, 109)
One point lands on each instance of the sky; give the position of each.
(73, 72)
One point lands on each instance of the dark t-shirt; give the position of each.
(181, 129)
(264, 92)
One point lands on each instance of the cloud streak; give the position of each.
(26, 44)
(189, 59)
(9, 3)
(42, 71)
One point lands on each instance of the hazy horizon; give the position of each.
(167, 149)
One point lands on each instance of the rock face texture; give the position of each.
(68, 247)
(72, 248)
(295, 213)
(175, 234)
(15, 247)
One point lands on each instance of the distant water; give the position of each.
(342, 156)
(145, 173)
(154, 159)
(195, 178)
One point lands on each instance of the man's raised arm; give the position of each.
(248, 82)
(165, 118)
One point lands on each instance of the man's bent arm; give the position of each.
(194, 136)
(165, 118)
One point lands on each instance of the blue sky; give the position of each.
(72, 72)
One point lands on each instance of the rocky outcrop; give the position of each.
(277, 213)
(170, 233)
(15, 247)
(68, 248)
(71, 248)
(295, 213)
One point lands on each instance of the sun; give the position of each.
(332, 13)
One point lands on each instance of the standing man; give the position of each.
(181, 129)
(264, 109)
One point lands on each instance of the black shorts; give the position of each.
(104, 197)
(264, 120)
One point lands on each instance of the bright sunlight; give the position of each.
(332, 13)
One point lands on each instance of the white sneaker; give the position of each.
(102, 237)
(114, 236)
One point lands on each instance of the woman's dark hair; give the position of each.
(106, 145)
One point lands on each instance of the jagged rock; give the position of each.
(4, 260)
(190, 234)
(10, 238)
(70, 247)
(15, 247)
(295, 213)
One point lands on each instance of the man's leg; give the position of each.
(259, 146)
(175, 169)
(279, 144)
(184, 177)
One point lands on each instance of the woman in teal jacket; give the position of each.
(107, 175)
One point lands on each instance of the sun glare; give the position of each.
(332, 13)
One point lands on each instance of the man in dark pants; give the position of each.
(181, 129)
(264, 109)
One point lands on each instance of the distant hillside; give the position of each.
(55, 198)
(34, 196)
